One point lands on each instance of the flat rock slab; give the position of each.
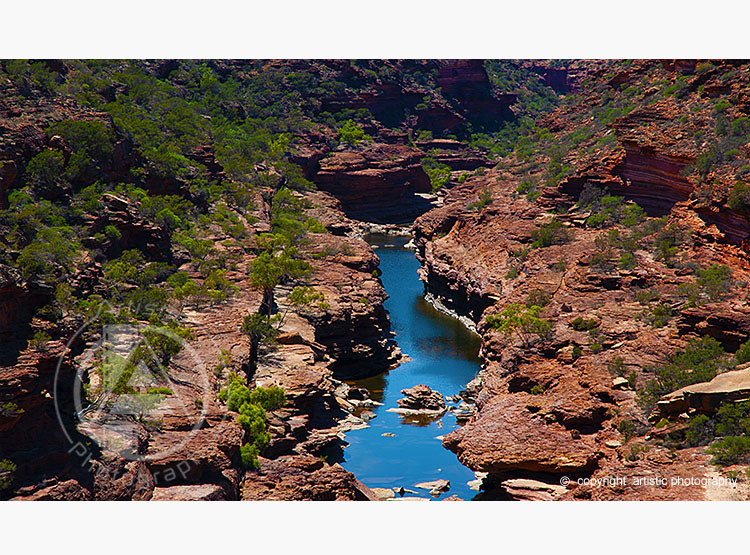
(709, 396)
(435, 485)
(532, 490)
(418, 412)
(204, 492)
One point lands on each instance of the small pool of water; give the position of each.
(443, 356)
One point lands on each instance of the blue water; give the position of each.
(443, 356)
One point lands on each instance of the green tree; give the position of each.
(438, 173)
(739, 197)
(351, 133)
(46, 168)
(715, 281)
(521, 320)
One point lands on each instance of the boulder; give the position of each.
(384, 493)
(421, 397)
(505, 435)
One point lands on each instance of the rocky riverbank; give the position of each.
(568, 405)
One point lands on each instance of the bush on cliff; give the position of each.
(91, 144)
(743, 353)
(715, 281)
(583, 324)
(739, 197)
(50, 257)
(730, 450)
(731, 420)
(551, 233)
(700, 361)
(484, 200)
(351, 133)
(46, 168)
(523, 321)
(7, 471)
(251, 407)
(439, 174)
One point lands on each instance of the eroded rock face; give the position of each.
(556, 406)
(298, 478)
(376, 182)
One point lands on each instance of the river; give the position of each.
(443, 356)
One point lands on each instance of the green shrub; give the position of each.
(160, 391)
(259, 327)
(438, 173)
(50, 256)
(700, 431)
(520, 320)
(626, 428)
(627, 261)
(252, 418)
(722, 105)
(582, 324)
(112, 233)
(485, 199)
(739, 198)
(538, 297)
(715, 281)
(616, 366)
(303, 296)
(552, 233)
(167, 341)
(7, 472)
(91, 143)
(730, 450)
(46, 168)
(525, 186)
(667, 242)
(351, 133)
(658, 316)
(743, 353)
(733, 419)
(699, 362)
(251, 407)
(645, 296)
(270, 398)
(249, 457)
(537, 389)
(39, 341)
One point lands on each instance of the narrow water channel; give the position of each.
(443, 356)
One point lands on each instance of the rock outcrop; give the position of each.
(420, 400)
(707, 397)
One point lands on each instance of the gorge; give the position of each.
(212, 274)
